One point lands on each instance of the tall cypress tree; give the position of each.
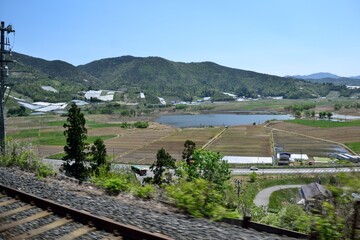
(75, 155)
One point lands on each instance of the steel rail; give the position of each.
(104, 223)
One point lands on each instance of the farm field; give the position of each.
(243, 141)
(288, 142)
(173, 143)
(344, 135)
(139, 146)
(133, 145)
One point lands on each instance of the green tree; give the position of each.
(75, 134)
(329, 115)
(188, 150)
(164, 162)
(297, 114)
(312, 113)
(98, 152)
(210, 166)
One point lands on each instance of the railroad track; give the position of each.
(25, 216)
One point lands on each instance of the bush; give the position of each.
(44, 171)
(116, 185)
(19, 154)
(146, 192)
(141, 124)
(114, 182)
(252, 177)
(199, 198)
(181, 106)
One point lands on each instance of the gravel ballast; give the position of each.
(172, 224)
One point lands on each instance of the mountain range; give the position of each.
(154, 76)
(323, 77)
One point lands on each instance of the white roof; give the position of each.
(92, 94)
(52, 107)
(49, 88)
(142, 95)
(162, 100)
(97, 94)
(41, 103)
(246, 159)
(230, 94)
(296, 156)
(29, 105)
(106, 98)
(79, 102)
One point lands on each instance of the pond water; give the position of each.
(205, 120)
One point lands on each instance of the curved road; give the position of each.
(262, 198)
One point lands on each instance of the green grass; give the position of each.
(58, 156)
(90, 124)
(58, 139)
(51, 138)
(56, 123)
(278, 198)
(285, 180)
(354, 146)
(324, 123)
(25, 134)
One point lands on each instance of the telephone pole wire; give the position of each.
(4, 73)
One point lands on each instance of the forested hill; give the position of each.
(185, 80)
(155, 76)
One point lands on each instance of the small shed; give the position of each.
(139, 170)
(312, 195)
(284, 158)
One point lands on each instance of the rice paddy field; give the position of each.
(316, 139)
(243, 141)
(139, 146)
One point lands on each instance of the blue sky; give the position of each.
(280, 37)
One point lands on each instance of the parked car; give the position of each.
(253, 168)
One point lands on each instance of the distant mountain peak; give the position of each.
(319, 75)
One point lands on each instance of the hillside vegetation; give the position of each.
(155, 77)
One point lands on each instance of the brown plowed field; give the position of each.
(289, 142)
(243, 141)
(173, 143)
(339, 134)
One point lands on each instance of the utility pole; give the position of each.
(4, 73)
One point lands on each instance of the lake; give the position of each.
(205, 120)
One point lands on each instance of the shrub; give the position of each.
(44, 171)
(114, 182)
(181, 106)
(252, 177)
(19, 154)
(199, 198)
(116, 185)
(141, 124)
(146, 192)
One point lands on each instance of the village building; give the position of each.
(312, 195)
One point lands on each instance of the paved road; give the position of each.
(262, 198)
(239, 171)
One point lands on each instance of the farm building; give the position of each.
(247, 160)
(345, 156)
(312, 196)
(295, 156)
(284, 158)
